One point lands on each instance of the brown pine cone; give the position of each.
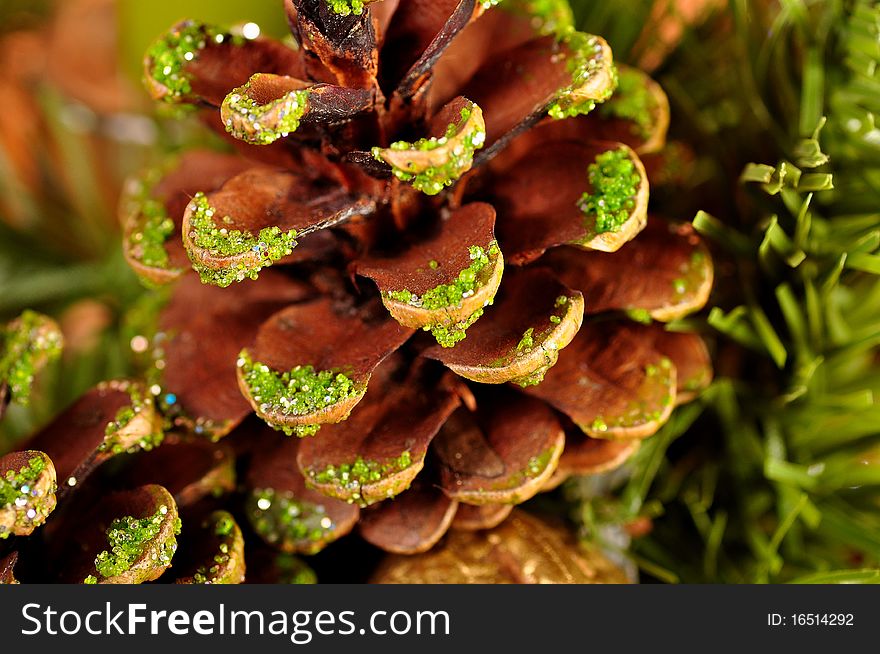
(464, 287)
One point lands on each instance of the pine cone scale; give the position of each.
(200, 392)
(502, 455)
(413, 523)
(611, 382)
(379, 450)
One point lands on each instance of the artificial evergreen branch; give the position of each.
(789, 492)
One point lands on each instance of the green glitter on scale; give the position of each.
(451, 295)
(113, 442)
(525, 346)
(530, 340)
(533, 379)
(527, 342)
(538, 464)
(170, 54)
(271, 245)
(635, 414)
(300, 430)
(361, 472)
(615, 183)
(244, 117)
(432, 180)
(29, 504)
(18, 486)
(347, 7)
(283, 520)
(444, 296)
(298, 392)
(28, 342)
(20, 495)
(449, 335)
(584, 62)
(632, 101)
(692, 275)
(219, 571)
(154, 232)
(224, 526)
(123, 417)
(210, 575)
(129, 538)
(146, 241)
(534, 467)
